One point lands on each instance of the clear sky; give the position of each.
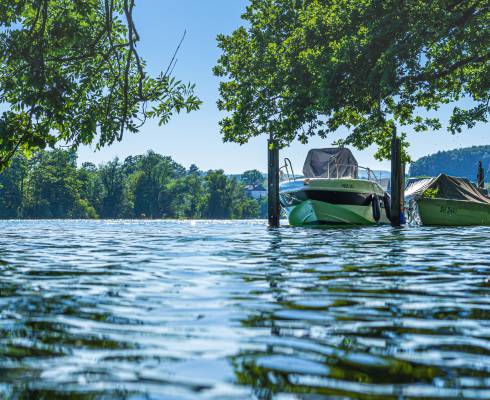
(195, 138)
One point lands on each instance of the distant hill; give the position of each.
(459, 162)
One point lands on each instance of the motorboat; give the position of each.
(446, 201)
(330, 191)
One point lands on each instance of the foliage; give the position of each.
(226, 199)
(53, 188)
(50, 185)
(252, 178)
(459, 162)
(12, 188)
(430, 193)
(70, 73)
(154, 173)
(114, 202)
(307, 67)
(186, 196)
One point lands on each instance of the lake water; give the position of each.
(232, 310)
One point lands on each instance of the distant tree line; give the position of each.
(51, 185)
(460, 162)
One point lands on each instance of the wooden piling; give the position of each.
(274, 207)
(480, 177)
(403, 216)
(396, 180)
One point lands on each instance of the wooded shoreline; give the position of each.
(50, 185)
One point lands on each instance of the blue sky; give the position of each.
(195, 138)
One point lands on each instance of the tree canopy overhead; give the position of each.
(70, 73)
(307, 67)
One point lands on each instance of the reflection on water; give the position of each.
(154, 309)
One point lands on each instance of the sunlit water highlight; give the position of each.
(232, 310)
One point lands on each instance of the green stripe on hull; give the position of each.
(312, 212)
(453, 212)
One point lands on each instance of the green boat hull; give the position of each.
(332, 202)
(445, 212)
(312, 212)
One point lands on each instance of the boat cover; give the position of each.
(445, 187)
(330, 163)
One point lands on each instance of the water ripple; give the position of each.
(225, 310)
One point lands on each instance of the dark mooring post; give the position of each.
(480, 176)
(396, 180)
(274, 207)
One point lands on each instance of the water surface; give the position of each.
(232, 310)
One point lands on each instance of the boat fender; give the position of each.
(376, 209)
(387, 204)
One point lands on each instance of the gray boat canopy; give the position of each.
(330, 163)
(445, 187)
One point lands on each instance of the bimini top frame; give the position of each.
(286, 172)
